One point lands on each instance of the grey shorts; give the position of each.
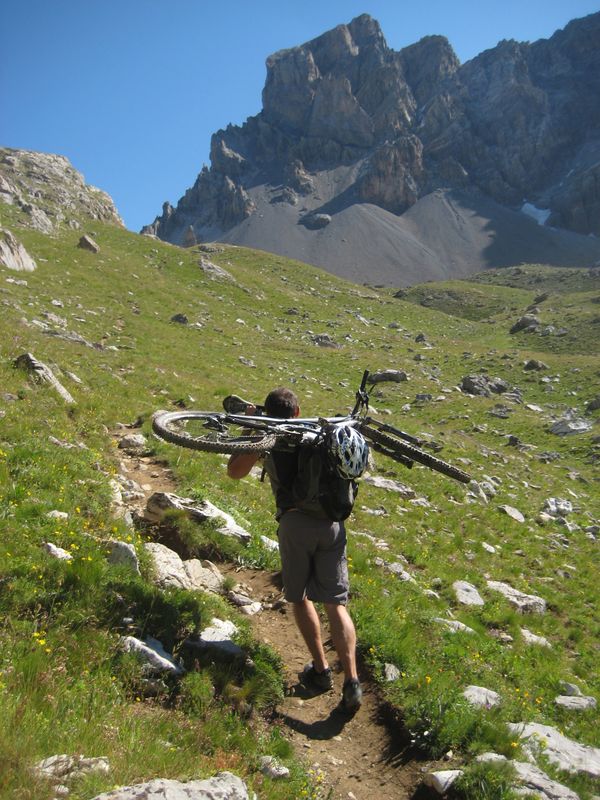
(313, 558)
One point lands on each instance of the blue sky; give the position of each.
(131, 91)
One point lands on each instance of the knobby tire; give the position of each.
(215, 442)
(414, 454)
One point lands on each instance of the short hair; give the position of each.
(282, 403)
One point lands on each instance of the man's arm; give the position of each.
(239, 465)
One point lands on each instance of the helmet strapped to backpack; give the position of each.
(349, 451)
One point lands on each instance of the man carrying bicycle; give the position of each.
(313, 554)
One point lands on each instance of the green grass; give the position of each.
(65, 685)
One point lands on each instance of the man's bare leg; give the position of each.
(309, 626)
(343, 635)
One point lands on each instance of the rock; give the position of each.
(133, 441)
(390, 673)
(57, 514)
(525, 603)
(480, 384)
(57, 552)
(270, 767)
(558, 507)
(532, 779)
(488, 547)
(87, 243)
(564, 753)
(390, 485)
(324, 340)
(154, 657)
(533, 365)
(269, 544)
(393, 375)
(527, 323)
(571, 689)
(13, 255)
(169, 568)
(453, 625)
(218, 637)
(42, 374)
(315, 222)
(64, 767)
(532, 638)
(513, 513)
(224, 786)
(480, 697)
(122, 553)
(442, 780)
(582, 703)
(467, 594)
(570, 425)
(593, 405)
(214, 271)
(161, 502)
(206, 578)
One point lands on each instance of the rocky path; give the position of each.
(354, 759)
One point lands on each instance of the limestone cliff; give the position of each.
(348, 123)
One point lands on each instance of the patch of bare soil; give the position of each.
(366, 757)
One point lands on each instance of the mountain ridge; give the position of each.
(347, 121)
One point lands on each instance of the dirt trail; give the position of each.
(363, 758)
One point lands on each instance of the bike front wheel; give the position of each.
(210, 432)
(409, 451)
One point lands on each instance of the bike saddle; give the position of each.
(233, 404)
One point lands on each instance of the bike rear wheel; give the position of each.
(408, 451)
(210, 432)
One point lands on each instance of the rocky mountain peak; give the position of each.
(351, 128)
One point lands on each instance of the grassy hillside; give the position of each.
(65, 685)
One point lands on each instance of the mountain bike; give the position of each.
(235, 431)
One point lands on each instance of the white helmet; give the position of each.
(350, 451)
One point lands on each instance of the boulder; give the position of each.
(394, 375)
(154, 657)
(526, 323)
(135, 442)
(87, 243)
(442, 780)
(57, 552)
(13, 255)
(480, 697)
(582, 703)
(60, 769)
(525, 603)
(224, 786)
(564, 753)
(533, 365)
(390, 486)
(161, 502)
(40, 373)
(570, 425)
(532, 638)
(315, 222)
(513, 513)
(453, 625)
(467, 594)
(122, 553)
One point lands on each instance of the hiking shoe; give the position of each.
(316, 681)
(351, 696)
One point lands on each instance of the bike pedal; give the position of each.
(235, 405)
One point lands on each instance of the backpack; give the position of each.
(317, 489)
